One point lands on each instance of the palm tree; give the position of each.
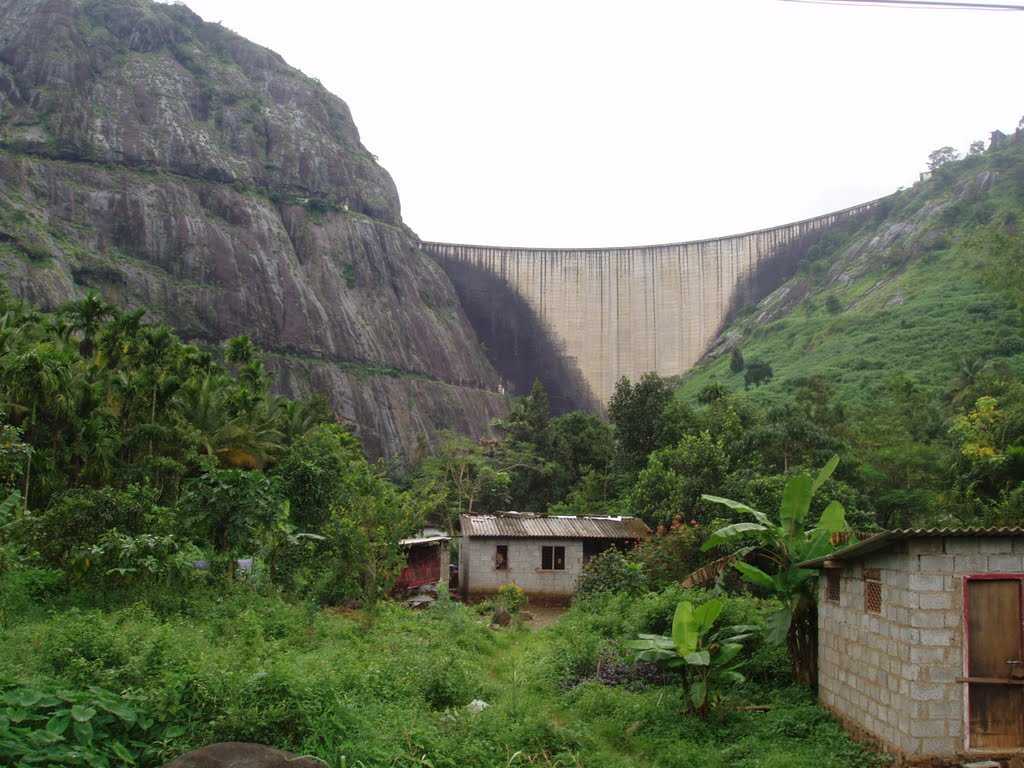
(85, 316)
(246, 440)
(36, 380)
(294, 418)
(967, 371)
(119, 337)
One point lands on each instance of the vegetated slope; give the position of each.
(167, 163)
(392, 688)
(901, 293)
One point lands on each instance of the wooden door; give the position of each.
(995, 688)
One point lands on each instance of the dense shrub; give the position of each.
(80, 517)
(511, 597)
(611, 571)
(672, 554)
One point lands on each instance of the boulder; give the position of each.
(238, 754)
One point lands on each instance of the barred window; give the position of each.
(832, 578)
(872, 590)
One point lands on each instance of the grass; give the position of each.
(390, 689)
(915, 307)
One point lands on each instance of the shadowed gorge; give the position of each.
(580, 319)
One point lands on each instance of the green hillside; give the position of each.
(910, 291)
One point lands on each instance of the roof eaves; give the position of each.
(883, 539)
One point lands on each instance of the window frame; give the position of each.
(549, 553)
(501, 550)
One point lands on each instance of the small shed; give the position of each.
(426, 559)
(920, 641)
(543, 555)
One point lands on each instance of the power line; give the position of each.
(930, 4)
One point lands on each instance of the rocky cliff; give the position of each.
(170, 164)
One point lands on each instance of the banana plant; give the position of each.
(785, 544)
(707, 658)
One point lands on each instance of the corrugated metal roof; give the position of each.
(561, 527)
(886, 538)
(423, 540)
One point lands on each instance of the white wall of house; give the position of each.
(478, 575)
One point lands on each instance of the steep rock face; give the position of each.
(171, 165)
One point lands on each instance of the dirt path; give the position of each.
(544, 615)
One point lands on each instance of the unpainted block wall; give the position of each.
(478, 575)
(894, 673)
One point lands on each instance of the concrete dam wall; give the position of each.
(580, 319)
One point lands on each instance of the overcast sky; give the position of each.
(588, 123)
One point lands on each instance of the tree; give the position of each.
(86, 317)
(757, 373)
(228, 509)
(1001, 251)
(791, 435)
(942, 156)
(711, 392)
(528, 420)
(785, 544)
(316, 474)
(736, 363)
(38, 388)
(577, 443)
(636, 411)
(672, 482)
(977, 148)
(461, 479)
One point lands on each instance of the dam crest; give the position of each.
(579, 319)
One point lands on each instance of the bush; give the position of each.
(511, 597)
(121, 560)
(611, 571)
(22, 588)
(757, 373)
(79, 518)
(44, 725)
(672, 555)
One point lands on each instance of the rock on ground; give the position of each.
(237, 754)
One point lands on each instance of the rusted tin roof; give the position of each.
(516, 526)
(886, 538)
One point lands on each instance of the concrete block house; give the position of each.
(920, 642)
(542, 555)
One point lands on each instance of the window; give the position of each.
(832, 578)
(552, 558)
(872, 590)
(501, 557)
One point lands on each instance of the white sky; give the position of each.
(591, 122)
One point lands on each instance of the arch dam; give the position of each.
(579, 319)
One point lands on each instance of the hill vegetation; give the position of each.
(185, 557)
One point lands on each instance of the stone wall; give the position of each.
(894, 673)
(478, 576)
